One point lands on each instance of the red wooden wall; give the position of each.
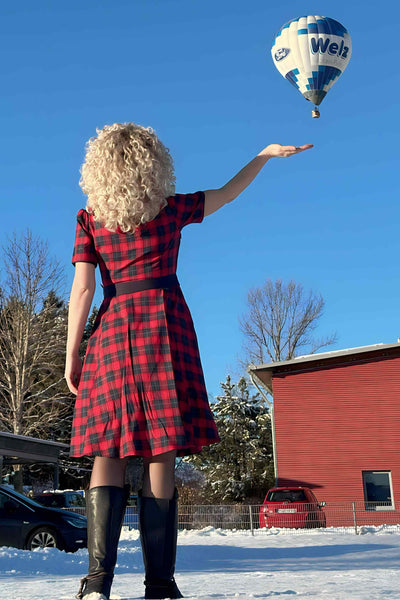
(333, 422)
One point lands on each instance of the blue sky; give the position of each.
(200, 73)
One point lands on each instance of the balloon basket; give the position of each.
(315, 113)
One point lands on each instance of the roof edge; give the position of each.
(25, 438)
(320, 356)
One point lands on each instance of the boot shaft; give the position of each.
(105, 510)
(158, 524)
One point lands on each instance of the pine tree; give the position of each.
(240, 466)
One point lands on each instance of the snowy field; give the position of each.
(215, 564)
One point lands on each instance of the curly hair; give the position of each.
(127, 176)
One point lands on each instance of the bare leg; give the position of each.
(108, 471)
(159, 476)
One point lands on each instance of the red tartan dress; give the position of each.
(142, 389)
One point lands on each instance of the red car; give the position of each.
(292, 507)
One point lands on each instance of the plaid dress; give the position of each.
(142, 389)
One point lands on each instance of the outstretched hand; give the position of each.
(276, 150)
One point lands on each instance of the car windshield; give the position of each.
(287, 496)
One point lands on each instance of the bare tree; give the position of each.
(33, 320)
(281, 321)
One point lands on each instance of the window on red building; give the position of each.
(378, 493)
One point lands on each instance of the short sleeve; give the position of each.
(84, 249)
(189, 208)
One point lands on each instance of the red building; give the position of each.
(336, 424)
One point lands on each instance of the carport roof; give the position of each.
(29, 449)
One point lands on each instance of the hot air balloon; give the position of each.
(312, 52)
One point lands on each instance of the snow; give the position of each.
(213, 563)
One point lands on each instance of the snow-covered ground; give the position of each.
(228, 564)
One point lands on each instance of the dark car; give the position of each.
(292, 507)
(66, 499)
(27, 524)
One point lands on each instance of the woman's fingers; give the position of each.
(289, 150)
(73, 371)
(304, 147)
(72, 382)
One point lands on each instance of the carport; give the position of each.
(21, 449)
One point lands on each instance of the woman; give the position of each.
(141, 389)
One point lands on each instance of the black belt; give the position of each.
(129, 287)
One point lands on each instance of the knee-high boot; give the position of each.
(105, 510)
(158, 523)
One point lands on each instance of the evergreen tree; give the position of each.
(88, 330)
(240, 467)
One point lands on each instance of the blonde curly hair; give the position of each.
(127, 175)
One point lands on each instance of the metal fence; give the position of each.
(347, 517)
(353, 516)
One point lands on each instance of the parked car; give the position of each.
(61, 499)
(292, 507)
(27, 524)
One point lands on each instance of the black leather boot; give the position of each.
(105, 510)
(158, 524)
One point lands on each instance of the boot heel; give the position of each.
(156, 590)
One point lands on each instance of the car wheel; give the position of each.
(42, 538)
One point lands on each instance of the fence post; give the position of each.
(355, 518)
(251, 520)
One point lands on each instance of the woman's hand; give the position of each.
(276, 150)
(73, 370)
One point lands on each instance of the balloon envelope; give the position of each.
(312, 52)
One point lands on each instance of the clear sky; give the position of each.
(201, 74)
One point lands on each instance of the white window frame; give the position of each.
(370, 505)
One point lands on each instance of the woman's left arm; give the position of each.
(215, 199)
(82, 292)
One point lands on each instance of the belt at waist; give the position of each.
(129, 287)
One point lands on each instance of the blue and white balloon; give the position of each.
(312, 52)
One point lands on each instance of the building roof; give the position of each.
(263, 373)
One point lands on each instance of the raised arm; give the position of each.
(215, 199)
(82, 292)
